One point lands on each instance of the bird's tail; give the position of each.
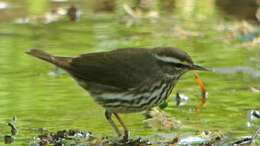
(62, 62)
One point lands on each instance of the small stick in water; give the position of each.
(12, 124)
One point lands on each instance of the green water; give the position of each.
(40, 100)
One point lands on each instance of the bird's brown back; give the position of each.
(122, 68)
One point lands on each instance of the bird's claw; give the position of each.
(125, 138)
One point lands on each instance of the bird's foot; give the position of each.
(124, 139)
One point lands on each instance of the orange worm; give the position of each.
(203, 93)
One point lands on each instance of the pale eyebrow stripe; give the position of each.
(168, 59)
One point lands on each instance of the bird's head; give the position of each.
(175, 61)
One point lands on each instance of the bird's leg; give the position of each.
(123, 125)
(108, 116)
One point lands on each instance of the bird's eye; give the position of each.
(179, 65)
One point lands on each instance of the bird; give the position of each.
(125, 80)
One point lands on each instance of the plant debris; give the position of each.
(160, 120)
(12, 124)
(52, 16)
(3, 5)
(131, 142)
(73, 137)
(252, 116)
(192, 140)
(135, 15)
(255, 90)
(10, 138)
(62, 137)
(243, 31)
(248, 140)
(245, 140)
(184, 34)
(212, 136)
(73, 13)
(77, 137)
(181, 99)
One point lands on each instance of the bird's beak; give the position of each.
(197, 67)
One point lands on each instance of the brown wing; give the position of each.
(122, 68)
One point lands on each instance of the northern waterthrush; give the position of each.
(126, 80)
